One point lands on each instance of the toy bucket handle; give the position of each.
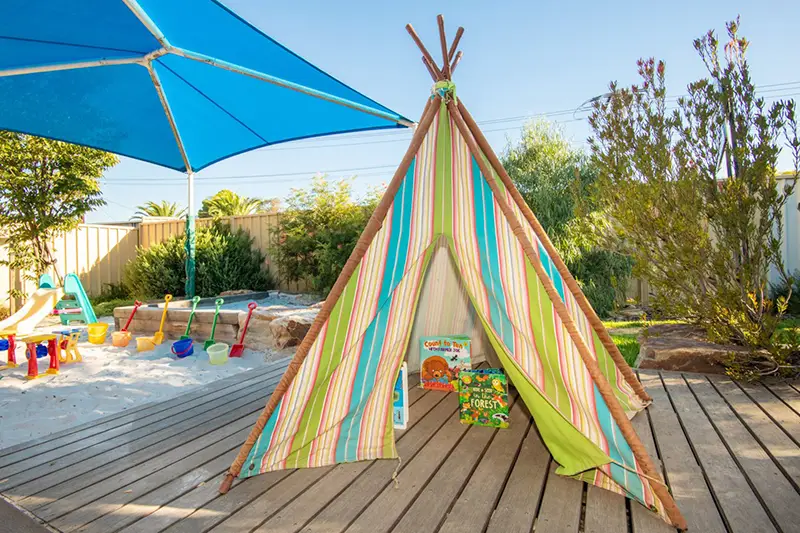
(184, 352)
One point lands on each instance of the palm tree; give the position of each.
(164, 209)
(227, 203)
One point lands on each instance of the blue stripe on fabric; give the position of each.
(618, 450)
(261, 446)
(396, 259)
(486, 235)
(551, 270)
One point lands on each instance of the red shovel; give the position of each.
(238, 348)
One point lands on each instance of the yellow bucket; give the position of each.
(145, 344)
(97, 332)
(120, 339)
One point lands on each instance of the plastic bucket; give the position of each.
(97, 332)
(120, 339)
(218, 353)
(183, 348)
(145, 344)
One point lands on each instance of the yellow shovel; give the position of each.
(158, 338)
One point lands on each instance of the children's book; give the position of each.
(441, 359)
(483, 397)
(400, 399)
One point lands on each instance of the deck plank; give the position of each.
(431, 506)
(516, 509)
(605, 511)
(787, 394)
(71, 501)
(346, 507)
(742, 509)
(475, 505)
(775, 490)
(772, 437)
(642, 519)
(561, 504)
(392, 501)
(776, 409)
(42, 490)
(132, 417)
(686, 480)
(69, 464)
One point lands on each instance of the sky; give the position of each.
(522, 59)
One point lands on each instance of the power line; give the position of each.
(279, 177)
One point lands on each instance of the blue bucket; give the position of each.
(3, 345)
(183, 348)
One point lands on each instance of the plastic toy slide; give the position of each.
(42, 302)
(39, 305)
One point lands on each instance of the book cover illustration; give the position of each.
(441, 359)
(400, 399)
(483, 397)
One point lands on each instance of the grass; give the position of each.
(627, 342)
(107, 308)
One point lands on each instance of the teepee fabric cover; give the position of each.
(338, 408)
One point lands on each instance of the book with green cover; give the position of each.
(483, 397)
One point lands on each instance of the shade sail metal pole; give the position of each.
(188, 54)
(72, 66)
(190, 239)
(148, 23)
(190, 233)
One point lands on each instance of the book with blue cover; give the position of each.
(400, 399)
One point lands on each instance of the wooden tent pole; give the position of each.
(428, 56)
(614, 407)
(443, 41)
(583, 303)
(429, 67)
(454, 44)
(455, 62)
(374, 224)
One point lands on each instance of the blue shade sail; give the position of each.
(111, 74)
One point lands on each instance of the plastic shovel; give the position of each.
(238, 348)
(122, 337)
(218, 302)
(185, 335)
(158, 338)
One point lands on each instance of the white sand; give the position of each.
(109, 380)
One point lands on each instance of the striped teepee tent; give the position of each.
(334, 403)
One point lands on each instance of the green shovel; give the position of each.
(195, 301)
(218, 302)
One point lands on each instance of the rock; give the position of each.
(235, 292)
(259, 336)
(289, 330)
(682, 347)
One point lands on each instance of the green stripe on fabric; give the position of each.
(544, 334)
(330, 358)
(443, 200)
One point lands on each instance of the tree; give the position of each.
(46, 188)
(553, 177)
(161, 209)
(691, 192)
(227, 203)
(319, 229)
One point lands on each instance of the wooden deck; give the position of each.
(730, 453)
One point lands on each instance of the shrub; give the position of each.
(226, 260)
(691, 194)
(319, 230)
(552, 178)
